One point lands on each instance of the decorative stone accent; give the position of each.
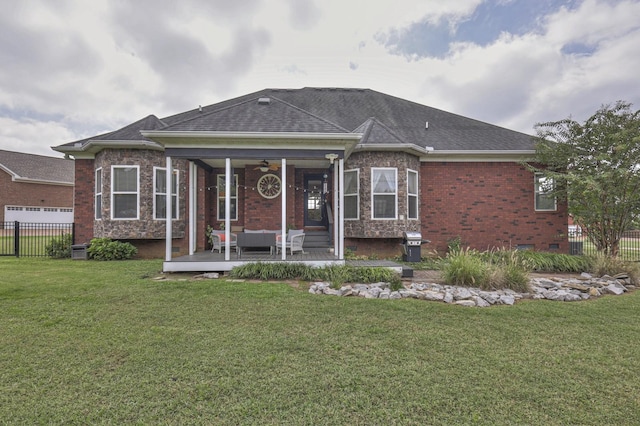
(146, 227)
(366, 227)
(560, 289)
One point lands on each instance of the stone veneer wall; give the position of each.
(146, 227)
(366, 227)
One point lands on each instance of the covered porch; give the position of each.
(241, 201)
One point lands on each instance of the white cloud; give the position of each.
(33, 136)
(73, 68)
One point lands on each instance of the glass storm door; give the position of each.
(313, 188)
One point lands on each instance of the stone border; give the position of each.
(560, 289)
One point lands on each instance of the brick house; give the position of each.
(35, 188)
(357, 164)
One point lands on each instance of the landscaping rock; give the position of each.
(507, 299)
(209, 276)
(559, 289)
(615, 288)
(462, 293)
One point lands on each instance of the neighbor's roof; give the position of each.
(37, 168)
(381, 118)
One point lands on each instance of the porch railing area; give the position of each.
(28, 239)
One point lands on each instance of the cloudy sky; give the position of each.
(70, 69)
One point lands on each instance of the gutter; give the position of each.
(405, 147)
(17, 178)
(249, 135)
(94, 146)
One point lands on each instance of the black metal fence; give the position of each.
(629, 248)
(30, 239)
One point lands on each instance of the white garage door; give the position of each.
(38, 214)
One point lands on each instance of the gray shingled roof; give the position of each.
(23, 166)
(267, 114)
(374, 132)
(330, 110)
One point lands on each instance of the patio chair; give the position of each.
(295, 239)
(218, 241)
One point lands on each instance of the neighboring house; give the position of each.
(364, 165)
(35, 188)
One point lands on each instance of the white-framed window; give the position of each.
(412, 194)
(352, 194)
(98, 192)
(160, 193)
(221, 182)
(544, 186)
(125, 196)
(384, 193)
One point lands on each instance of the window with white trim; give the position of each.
(98, 194)
(221, 179)
(125, 196)
(544, 187)
(412, 194)
(160, 193)
(384, 193)
(352, 194)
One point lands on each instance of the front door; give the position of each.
(313, 195)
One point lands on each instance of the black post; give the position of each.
(16, 238)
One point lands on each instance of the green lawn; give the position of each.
(85, 342)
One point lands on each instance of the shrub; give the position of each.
(555, 262)
(337, 275)
(497, 269)
(608, 265)
(465, 268)
(60, 248)
(107, 249)
(509, 270)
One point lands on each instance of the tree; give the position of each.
(595, 166)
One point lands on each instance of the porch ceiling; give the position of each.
(215, 157)
(241, 163)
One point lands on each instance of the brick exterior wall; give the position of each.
(255, 211)
(83, 210)
(32, 194)
(487, 205)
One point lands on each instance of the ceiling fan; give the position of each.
(265, 166)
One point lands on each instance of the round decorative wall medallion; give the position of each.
(269, 186)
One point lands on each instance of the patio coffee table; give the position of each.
(256, 240)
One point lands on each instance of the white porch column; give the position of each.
(193, 206)
(169, 229)
(284, 207)
(341, 210)
(227, 209)
(336, 208)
